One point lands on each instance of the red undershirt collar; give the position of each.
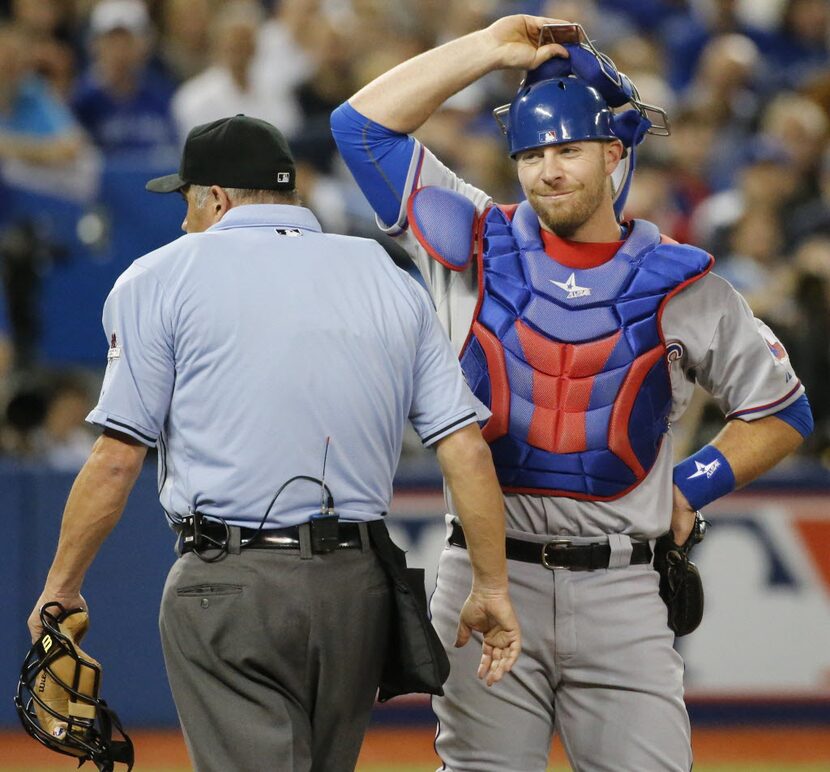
(578, 254)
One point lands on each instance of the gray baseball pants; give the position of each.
(597, 667)
(274, 661)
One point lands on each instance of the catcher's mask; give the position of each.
(57, 695)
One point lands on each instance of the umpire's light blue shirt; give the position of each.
(240, 349)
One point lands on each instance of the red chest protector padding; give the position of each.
(572, 363)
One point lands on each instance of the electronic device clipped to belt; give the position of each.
(325, 530)
(193, 536)
(324, 527)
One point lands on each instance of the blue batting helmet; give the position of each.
(555, 111)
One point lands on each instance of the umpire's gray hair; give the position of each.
(240, 196)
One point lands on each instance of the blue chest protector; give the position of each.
(571, 362)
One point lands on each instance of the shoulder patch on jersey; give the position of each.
(674, 350)
(443, 222)
(114, 351)
(777, 349)
(774, 346)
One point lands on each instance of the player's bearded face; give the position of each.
(565, 184)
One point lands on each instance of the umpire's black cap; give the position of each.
(237, 152)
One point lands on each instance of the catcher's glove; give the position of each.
(680, 585)
(57, 695)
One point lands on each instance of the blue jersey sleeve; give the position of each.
(378, 158)
(798, 415)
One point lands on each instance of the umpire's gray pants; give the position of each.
(274, 661)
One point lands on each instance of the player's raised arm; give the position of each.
(372, 128)
(403, 98)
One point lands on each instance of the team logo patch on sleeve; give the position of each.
(776, 349)
(114, 349)
(674, 351)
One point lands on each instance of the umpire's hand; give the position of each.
(68, 601)
(491, 614)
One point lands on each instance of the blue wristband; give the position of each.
(704, 477)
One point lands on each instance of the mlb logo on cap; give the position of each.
(283, 177)
(547, 136)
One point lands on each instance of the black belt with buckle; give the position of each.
(214, 534)
(560, 552)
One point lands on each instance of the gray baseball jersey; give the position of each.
(236, 351)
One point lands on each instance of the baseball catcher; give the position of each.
(584, 333)
(57, 695)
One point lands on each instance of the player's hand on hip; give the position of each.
(516, 40)
(492, 615)
(682, 518)
(67, 601)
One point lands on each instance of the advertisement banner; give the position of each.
(765, 564)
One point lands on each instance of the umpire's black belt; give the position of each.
(560, 552)
(212, 534)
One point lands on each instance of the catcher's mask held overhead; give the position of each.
(571, 100)
(57, 695)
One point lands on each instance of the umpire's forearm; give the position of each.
(467, 465)
(94, 506)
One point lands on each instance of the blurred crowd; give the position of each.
(744, 174)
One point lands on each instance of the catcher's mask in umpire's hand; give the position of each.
(57, 695)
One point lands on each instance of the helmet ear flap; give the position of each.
(57, 696)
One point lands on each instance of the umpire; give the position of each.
(273, 366)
